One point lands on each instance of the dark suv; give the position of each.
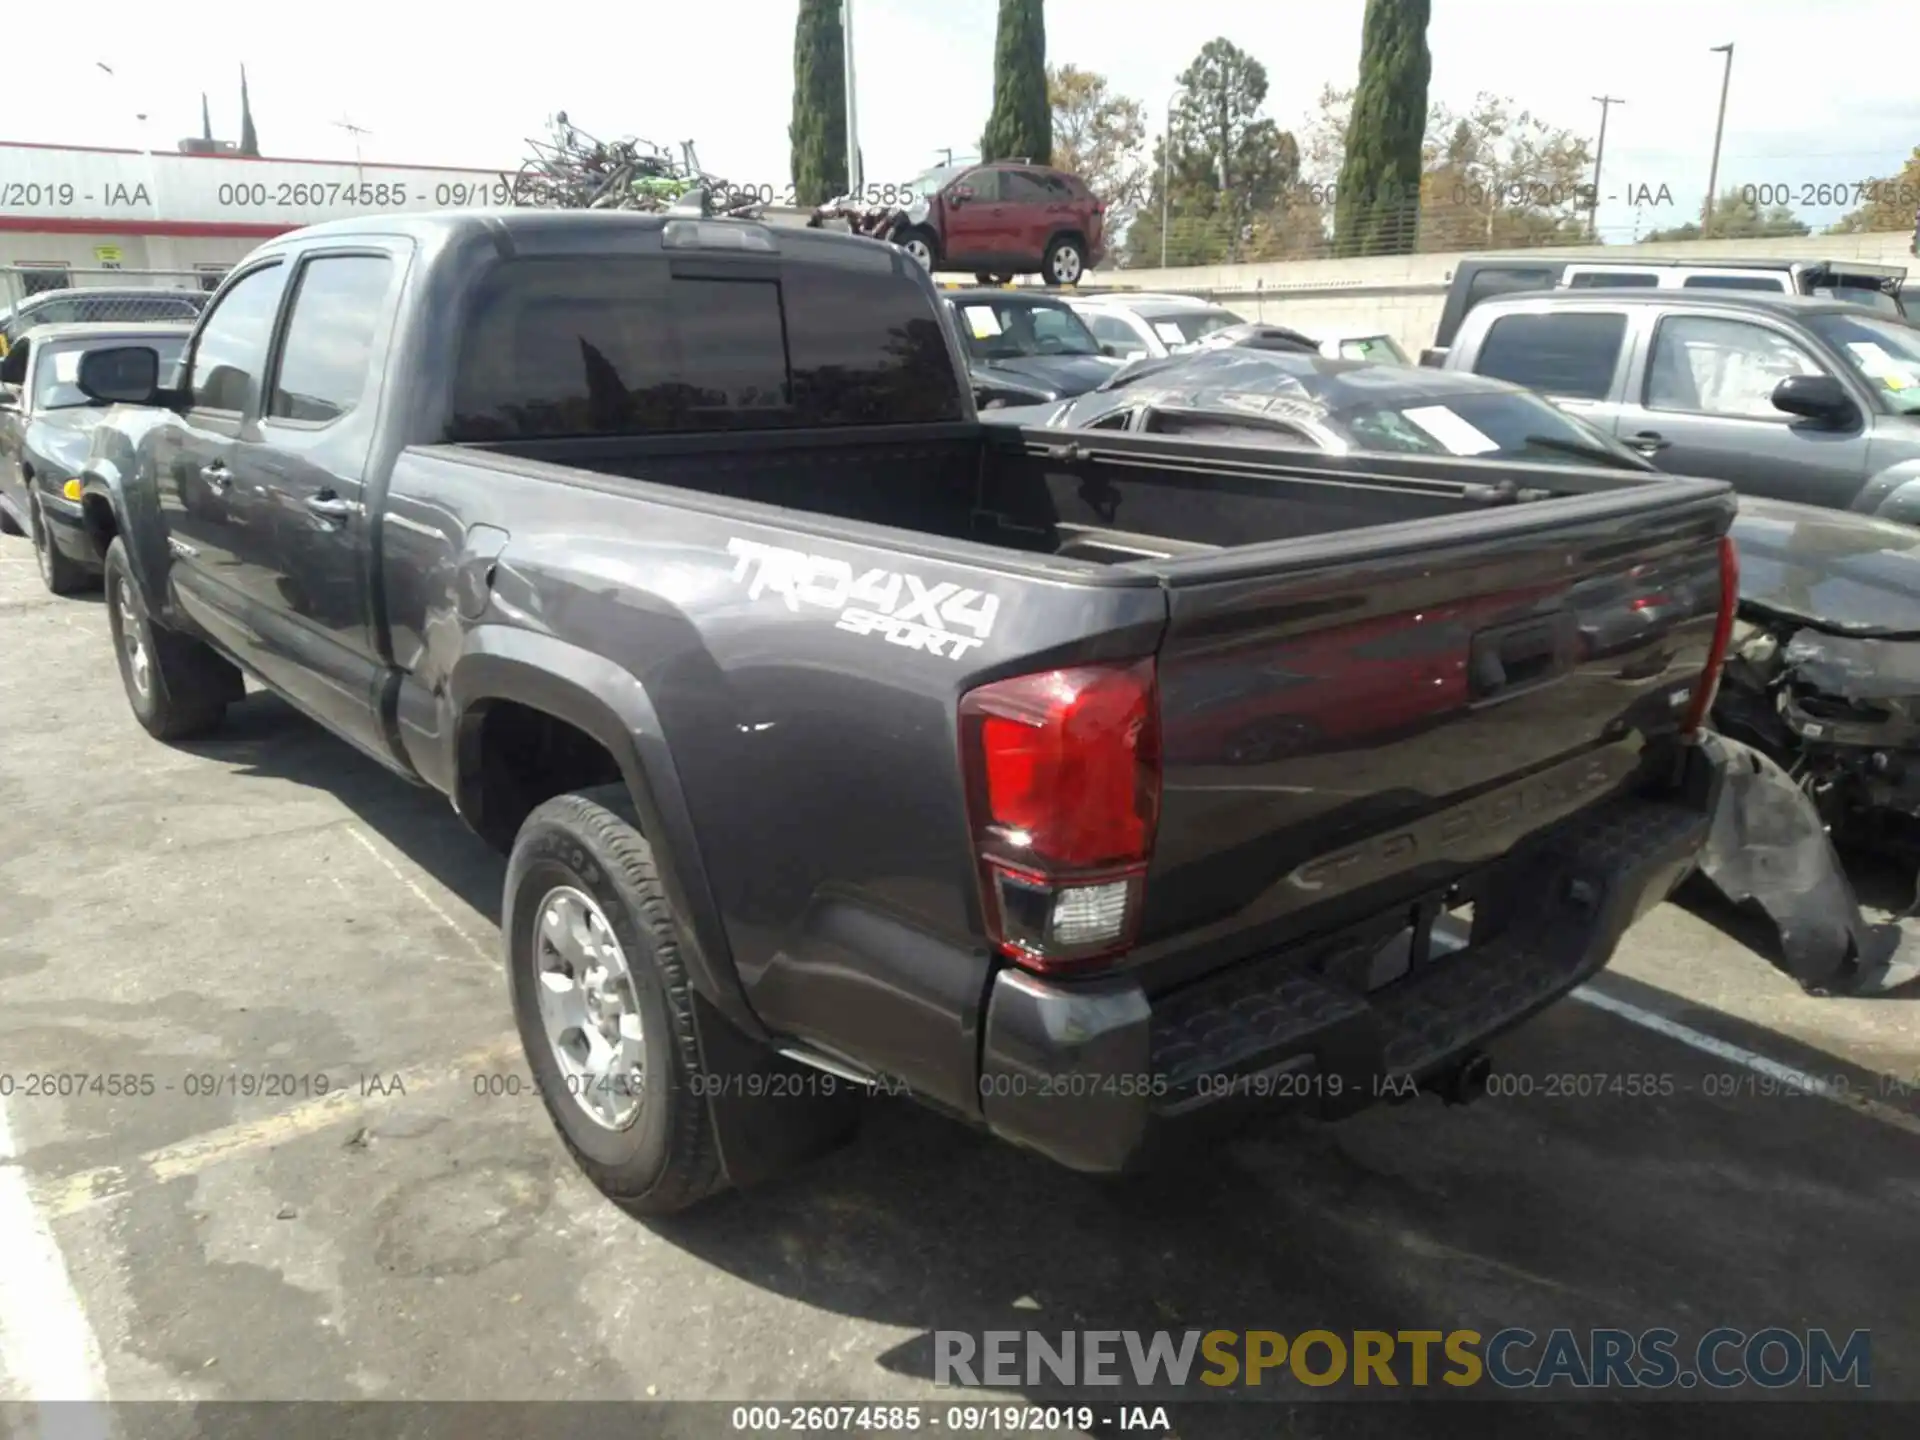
(1004, 219)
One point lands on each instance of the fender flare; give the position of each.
(138, 525)
(598, 697)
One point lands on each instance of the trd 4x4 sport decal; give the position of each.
(942, 619)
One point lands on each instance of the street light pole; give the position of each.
(1166, 175)
(854, 178)
(1719, 127)
(1606, 103)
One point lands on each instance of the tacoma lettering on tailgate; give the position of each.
(901, 607)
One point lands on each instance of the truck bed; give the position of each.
(1103, 499)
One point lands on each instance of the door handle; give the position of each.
(1649, 442)
(217, 475)
(330, 506)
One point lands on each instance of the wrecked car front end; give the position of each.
(1823, 672)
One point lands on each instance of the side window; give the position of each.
(1112, 330)
(1490, 282)
(337, 304)
(1613, 280)
(231, 350)
(1721, 367)
(1567, 355)
(1119, 420)
(1023, 187)
(985, 184)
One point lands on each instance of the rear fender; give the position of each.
(598, 697)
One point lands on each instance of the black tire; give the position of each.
(1065, 248)
(917, 238)
(61, 574)
(667, 1156)
(188, 686)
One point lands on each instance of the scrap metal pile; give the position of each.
(571, 170)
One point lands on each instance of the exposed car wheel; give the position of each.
(1064, 262)
(61, 575)
(917, 243)
(603, 1004)
(178, 688)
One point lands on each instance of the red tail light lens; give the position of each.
(1722, 636)
(1063, 773)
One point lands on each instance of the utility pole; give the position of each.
(345, 123)
(855, 180)
(1720, 125)
(1606, 103)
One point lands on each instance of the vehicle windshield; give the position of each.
(929, 183)
(1886, 354)
(1188, 327)
(1493, 425)
(58, 368)
(1380, 349)
(1010, 329)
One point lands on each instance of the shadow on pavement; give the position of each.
(1694, 1199)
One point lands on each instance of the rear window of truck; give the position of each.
(1573, 355)
(558, 348)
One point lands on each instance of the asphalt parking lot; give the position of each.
(237, 917)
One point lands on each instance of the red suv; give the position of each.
(1004, 219)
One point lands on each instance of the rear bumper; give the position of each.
(1095, 1074)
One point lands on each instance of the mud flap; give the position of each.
(1767, 848)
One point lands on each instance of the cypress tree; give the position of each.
(1377, 209)
(818, 132)
(1022, 120)
(206, 118)
(249, 142)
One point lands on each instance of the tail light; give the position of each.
(1709, 682)
(1063, 795)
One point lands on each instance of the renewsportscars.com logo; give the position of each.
(1772, 1358)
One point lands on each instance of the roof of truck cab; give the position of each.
(1664, 262)
(1759, 300)
(436, 227)
(106, 330)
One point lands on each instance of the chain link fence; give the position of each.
(76, 294)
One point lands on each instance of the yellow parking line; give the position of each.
(61, 1196)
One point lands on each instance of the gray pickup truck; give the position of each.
(1081, 786)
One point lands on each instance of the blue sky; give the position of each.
(1808, 105)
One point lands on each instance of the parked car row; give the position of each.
(836, 739)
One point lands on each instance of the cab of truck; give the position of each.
(1855, 282)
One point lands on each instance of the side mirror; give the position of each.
(1817, 397)
(125, 374)
(1434, 357)
(959, 194)
(9, 396)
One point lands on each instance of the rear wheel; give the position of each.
(1064, 263)
(603, 1003)
(61, 575)
(178, 688)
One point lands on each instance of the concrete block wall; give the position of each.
(1403, 294)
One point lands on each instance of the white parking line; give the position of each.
(48, 1351)
(1786, 1076)
(421, 895)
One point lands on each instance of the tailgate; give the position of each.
(1351, 722)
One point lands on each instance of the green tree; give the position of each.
(1886, 204)
(1376, 211)
(1099, 135)
(206, 118)
(817, 134)
(1492, 178)
(1229, 167)
(1021, 124)
(249, 141)
(1735, 218)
